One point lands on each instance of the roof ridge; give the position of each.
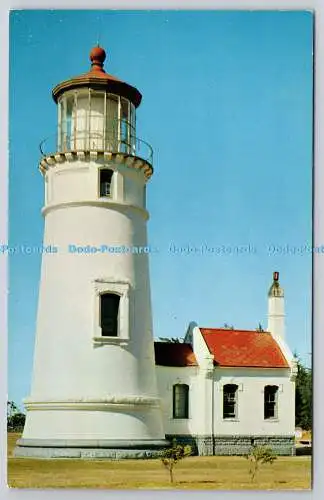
(232, 329)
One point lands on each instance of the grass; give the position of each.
(221, 473)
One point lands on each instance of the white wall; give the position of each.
(79, 182)
(82, 387)
(199, 346)
(198, 417)
(251, 384)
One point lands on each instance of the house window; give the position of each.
(105, 176)
(270, 401)
(109, 307)
(230, 401)
(181, 401)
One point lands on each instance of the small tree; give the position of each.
(15, 418)
(228, 327)
(304, 396)
(171, 456)
(12, 408)
(259, 455)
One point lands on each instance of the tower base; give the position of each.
(90, 449)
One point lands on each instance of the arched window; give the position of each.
(181, 401)
(109, 308)
(270, 401)
(105, 176)
(230, 401)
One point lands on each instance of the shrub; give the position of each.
(171, 456)
(259, 455)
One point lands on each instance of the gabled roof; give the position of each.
(243, 348)
(174, 354)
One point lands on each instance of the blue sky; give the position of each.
(227, 107)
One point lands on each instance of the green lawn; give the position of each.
(222, 473)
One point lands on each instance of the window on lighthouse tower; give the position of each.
(109, 308)
(105, 176)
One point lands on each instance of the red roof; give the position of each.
(174, 354)
(243, 348)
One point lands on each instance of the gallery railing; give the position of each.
(96, 141)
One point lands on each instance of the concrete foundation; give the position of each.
(91, 449)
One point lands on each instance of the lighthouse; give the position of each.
(93, 391)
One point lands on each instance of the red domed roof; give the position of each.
(98, 79)
(97, 55)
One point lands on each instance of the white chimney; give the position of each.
(276, 308)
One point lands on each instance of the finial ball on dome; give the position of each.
(97, 55)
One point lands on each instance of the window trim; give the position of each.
(121, 288)
(185, 415)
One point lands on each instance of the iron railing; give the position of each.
(96, 141)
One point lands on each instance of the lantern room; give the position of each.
(97, 112)
(95, 120)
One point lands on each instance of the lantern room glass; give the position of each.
(91, 120)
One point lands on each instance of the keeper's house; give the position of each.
(223, 390)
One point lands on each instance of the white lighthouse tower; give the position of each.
(94, 386)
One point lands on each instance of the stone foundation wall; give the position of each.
(235, 445)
